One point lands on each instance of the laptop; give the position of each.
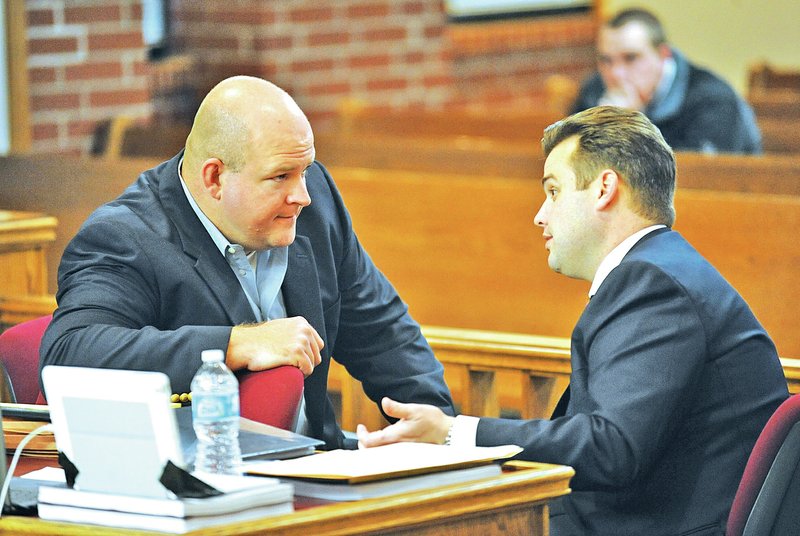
(117, 427)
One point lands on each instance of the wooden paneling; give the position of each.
(24, 239)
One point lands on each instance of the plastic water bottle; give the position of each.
(215, 416)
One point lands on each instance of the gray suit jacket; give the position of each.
(672, 380)
(142, 286)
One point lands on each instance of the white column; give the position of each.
(5, 126)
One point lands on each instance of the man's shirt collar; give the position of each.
(613, 259)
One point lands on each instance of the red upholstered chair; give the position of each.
(19, 352)
(768, 498)
(271, 396)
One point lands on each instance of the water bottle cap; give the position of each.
(212, 356)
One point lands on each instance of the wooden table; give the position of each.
(514, 502)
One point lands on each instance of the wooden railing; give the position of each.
(486, 372)
(491, 373)
(15, 309)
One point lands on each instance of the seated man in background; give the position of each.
(695, 109)
(240, 242)
(673, 377)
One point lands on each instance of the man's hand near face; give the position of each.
(625, 94)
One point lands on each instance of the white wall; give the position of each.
(728, 36)
(5, 126)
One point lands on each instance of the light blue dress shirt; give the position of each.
(260, 273)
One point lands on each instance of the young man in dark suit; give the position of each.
(672, 378)
(243, 243)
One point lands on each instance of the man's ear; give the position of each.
(211, 172)
(608, 189)
(664, 51)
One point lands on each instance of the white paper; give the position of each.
(50, 474)
(383, 460)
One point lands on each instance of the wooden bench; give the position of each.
(778, 116)
(777, 104)
(773, 173)
(355, 120)
(764, 78)
(465, 252)
(124, 137)
(774, 94)
(780, 137)
(765, 174)
(68, 188)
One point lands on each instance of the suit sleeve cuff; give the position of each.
(464, 431)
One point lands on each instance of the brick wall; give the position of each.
(385, 53)
(87, 63)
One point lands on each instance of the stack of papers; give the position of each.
(343, 491)
(244, 498)
(346, 475)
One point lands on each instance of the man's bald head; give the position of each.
(233, 115)
(246, 159)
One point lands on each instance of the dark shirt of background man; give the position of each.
(694, 109)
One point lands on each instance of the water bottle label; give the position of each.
(214, 407)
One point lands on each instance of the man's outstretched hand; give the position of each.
(417, 422)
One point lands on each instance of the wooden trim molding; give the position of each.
(18, 92)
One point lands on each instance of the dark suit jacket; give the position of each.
(672, 380)
(142, 286)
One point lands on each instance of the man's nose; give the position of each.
(299, 194)
(540, 217)
(618, 72)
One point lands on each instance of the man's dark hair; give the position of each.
(628, 143)
(644, 17)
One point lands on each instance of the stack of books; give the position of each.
(21, 419)
(243, 499)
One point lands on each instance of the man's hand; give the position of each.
(626, 94)
(418, 422)
(286, 341)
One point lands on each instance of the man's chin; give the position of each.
(281, 241)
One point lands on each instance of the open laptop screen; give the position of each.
(115, 426)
